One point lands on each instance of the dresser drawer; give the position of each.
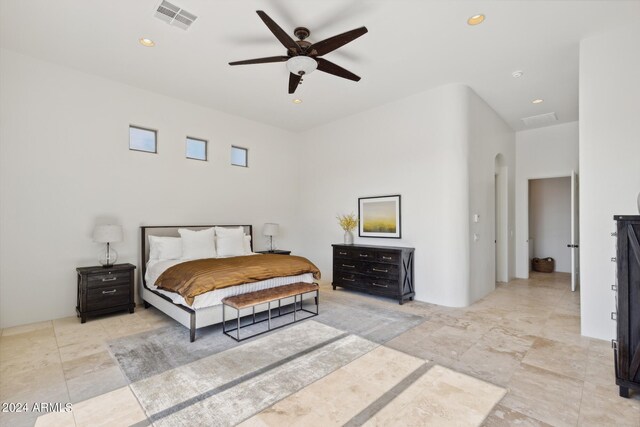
(388, 257)
(380, 270)
(342, 253)
(108, 279)
(105, 297)
(381, 286)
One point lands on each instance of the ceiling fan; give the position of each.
(303, 57)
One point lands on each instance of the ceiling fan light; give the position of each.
(301, 65)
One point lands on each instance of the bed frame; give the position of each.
(190, 318)
(182, 314)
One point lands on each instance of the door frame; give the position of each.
(525, 221)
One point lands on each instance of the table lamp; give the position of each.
(270, 229)
(107, 233)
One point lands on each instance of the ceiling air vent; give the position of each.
(540, 120)
(174, 15)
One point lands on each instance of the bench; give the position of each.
(267, 296)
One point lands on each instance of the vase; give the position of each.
(348, 238)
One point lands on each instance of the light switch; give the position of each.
(476, 237)
(476, 218)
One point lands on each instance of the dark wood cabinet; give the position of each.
(627, 345)
(378, 270)
(104, 290)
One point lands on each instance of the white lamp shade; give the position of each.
(270, 229)
(301, 65)
(107, 233)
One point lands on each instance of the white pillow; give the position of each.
(165, 247)
(198, 244)
(229, 231)
(247, 245)
(231, 245)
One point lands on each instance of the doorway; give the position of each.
(553, 223)
(501, 220)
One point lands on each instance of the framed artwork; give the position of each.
(379, 217)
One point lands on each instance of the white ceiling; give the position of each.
(412, 46)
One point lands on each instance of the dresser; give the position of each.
(104, 290)
(378, 270)
(627, 288)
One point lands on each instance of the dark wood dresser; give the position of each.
(379, 270)
(627, 345)
(104, 290)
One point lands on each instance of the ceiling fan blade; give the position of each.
(294, 82)
(336, 70)
(280, 34)
(261, 60)
(332, 43)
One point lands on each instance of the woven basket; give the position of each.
(543, 265)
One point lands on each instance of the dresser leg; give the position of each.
(334, 287)
(131, 309)
(146, 304)
(83, 319)
(624, 391)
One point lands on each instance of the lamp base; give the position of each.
(108, 257)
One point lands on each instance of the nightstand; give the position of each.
(275, 252)
(104, 290)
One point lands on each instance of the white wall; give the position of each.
(547, 152)
(419, 147)
(550, 220)
(489, 136)
(65, 166)
(609, 164)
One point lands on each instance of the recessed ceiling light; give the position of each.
(517, 74)
(297, 101)
(538, 101)
(476, 19)
(146, 42)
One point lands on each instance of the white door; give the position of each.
(575, 236)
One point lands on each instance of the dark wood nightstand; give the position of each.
(104, 290)
(275, 251)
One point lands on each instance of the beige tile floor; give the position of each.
(524, 337)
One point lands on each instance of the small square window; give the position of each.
(141, 139)
(239, 156)
(196, 149)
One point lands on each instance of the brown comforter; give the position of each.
(192, 278)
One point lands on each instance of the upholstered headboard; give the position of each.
(172, 231)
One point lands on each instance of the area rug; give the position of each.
(228, 387)
(153, 352)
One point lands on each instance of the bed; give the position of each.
(206, 309)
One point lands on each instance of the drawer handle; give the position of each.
(109, 279)
(348, 280)
(109, 292)
(386, 257)
(380, 286)
(342, 253)
(347, 265)
(364, 255)
(380, 271)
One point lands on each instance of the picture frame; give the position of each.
(380, 217)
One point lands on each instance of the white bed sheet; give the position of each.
(156, 267)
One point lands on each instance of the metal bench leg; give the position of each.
(295, 306)
(269, 316)
(317, 302)
(254, 313)
(238, 330)
(224, 323)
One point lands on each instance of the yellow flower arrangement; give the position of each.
(348, 222)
